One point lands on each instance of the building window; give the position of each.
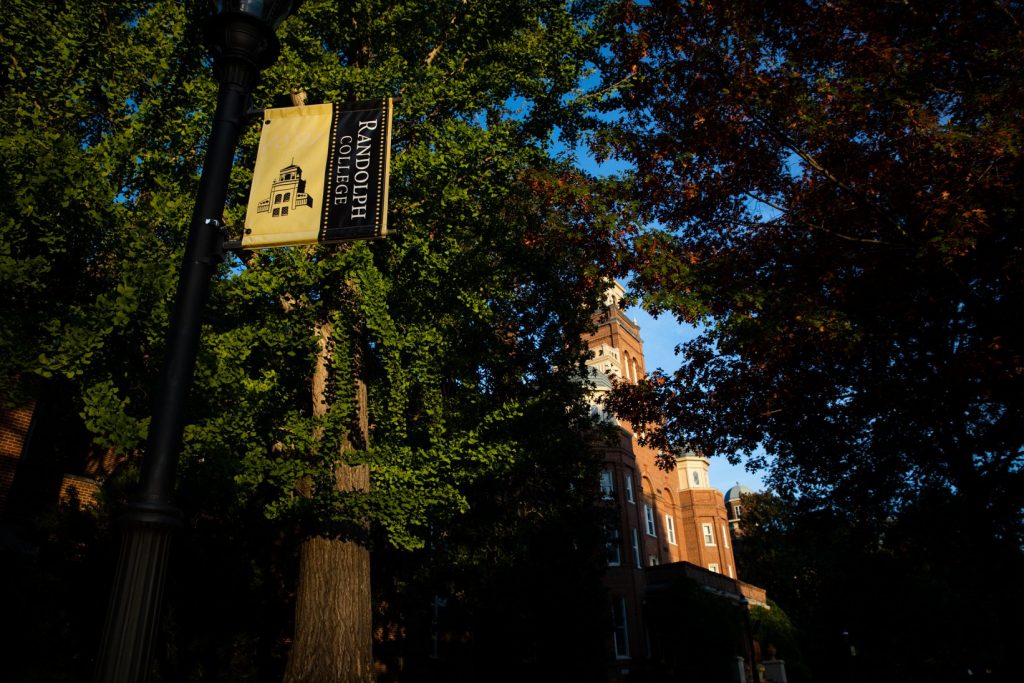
(277, 212)
(696, 478)
(736, 511)
(614, 547)
(629, 489)
(287, 196)
(277, 199)
(284, 210)
(607, 485)
(636, 548)
(649, 521)
(725, 537)
(652, 560)
(713, 568)
(620, 636)
(670, 529)
(709, 534)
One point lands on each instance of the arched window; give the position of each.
(277, 199)
(287, 196)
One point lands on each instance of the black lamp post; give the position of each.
(241, 39)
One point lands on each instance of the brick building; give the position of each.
(668, 524)
(45, 458)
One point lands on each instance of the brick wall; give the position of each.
(80, 491)
(14, 428)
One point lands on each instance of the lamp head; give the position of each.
(271, 12)
(242, 39)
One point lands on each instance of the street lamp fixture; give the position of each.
(241, 38)
(243, 31)
(270, 12)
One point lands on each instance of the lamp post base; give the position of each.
(138, 589)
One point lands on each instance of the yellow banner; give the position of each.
(321, 175)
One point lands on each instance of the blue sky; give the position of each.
(660, 337)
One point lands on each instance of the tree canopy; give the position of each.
(833, 192)
(465, 326)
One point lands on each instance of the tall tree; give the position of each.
(479, 87)
(465, 326)
(834, 192)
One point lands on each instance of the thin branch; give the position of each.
(444, 38)
(764, 201)
(806, 156)
(812, 226)
(611, 88)
(862, 240)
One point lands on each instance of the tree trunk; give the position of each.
(333, 640)
(333, 610)
(332, 615)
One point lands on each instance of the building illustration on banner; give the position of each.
(287, 193)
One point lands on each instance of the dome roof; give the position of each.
(736, 491)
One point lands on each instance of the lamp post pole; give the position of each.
(242, 41)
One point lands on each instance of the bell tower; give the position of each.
(676, 515)
(616, 344)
